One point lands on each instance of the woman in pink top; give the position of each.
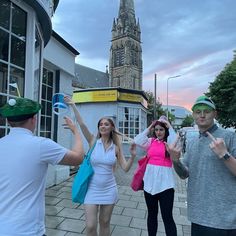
(158, 178)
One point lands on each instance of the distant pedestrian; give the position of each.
(209, 163)
(102, 192)
(23, 169)
(158, 178)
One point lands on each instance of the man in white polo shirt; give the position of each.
(23, 168)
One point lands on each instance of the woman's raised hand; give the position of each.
(68, 100)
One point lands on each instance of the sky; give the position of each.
(190, 38)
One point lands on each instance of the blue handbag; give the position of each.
(82, 178)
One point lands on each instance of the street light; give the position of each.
(167, 93)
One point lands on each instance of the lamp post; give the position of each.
(167, 94)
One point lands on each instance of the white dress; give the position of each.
(102, 187)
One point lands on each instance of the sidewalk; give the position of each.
(64, 218)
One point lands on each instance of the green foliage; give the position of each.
(159, 111)
(223, 92)
(188, 121)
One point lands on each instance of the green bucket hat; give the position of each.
(18, 109)
(204, 100)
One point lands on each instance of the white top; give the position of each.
(23, 168)
(156, 178)
(102, 186)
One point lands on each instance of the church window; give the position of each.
(119, 55)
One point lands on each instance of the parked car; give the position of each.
(187, 134)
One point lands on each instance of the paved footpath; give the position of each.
(64, 218)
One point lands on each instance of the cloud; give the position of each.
(193, 38)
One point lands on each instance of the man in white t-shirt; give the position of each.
(23, 168)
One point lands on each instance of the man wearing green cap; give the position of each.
(24, 163)
(209, 163)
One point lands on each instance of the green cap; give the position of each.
(203, 100)
(18, 109)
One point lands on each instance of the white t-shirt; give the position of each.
(24, 160)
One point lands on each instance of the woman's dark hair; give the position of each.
(166, 134)
(164, 126)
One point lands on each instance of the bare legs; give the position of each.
(91, 212)
(91, 215)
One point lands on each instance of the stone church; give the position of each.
(125, 64)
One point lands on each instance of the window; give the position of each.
(119, 57)
(12, 54)
(131, 121)
(46, 102)
(134, 57)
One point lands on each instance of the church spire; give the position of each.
(126, 6)
(126, 53)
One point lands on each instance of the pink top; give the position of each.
(159, 172)
(156, 153)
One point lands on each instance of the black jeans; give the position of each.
(166, 199)
(197, 230)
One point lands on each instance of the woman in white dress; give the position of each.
(102, 192)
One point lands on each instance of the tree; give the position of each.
(223, 92)
(159, 109)
(188, 121)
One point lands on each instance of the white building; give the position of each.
(40, 62)
(179, 112)
(126, 107)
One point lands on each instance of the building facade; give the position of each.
(126, 107)
(35, 62)
(125, 64)
(180, 113)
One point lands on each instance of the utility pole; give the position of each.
(155, 98)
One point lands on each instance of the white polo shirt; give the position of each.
(24, 160)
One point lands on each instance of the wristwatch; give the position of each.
(226, 156)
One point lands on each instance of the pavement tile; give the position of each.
(51, 193)
(55, 232)
(71, 213)
(120, 220)
(134, 213)
(67, 203)
(138, 223)
(53, 221)
(66, 189)
(118, 210)
(138, 199)
(53, 210)
(124, 197)
(176, 210)
(66, 195)
(119, 230)
(125, 203)
(74, 234)
(145, 233)
(72, 225)
(52, 200)
(142, 206)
